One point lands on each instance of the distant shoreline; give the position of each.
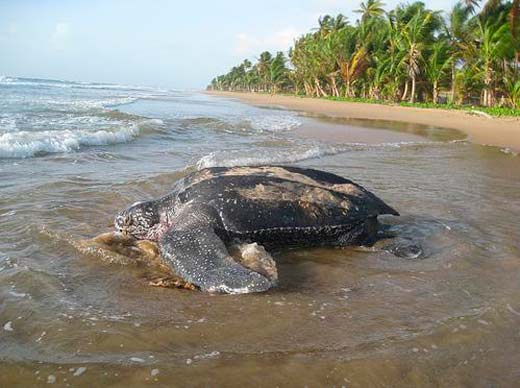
(494, 131)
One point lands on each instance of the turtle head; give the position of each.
(139, 221)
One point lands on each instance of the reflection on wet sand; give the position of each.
(341, 130)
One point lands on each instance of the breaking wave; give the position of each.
(18, 81)
(237, 158)
(26, 144)
(294, 154)
(244, 125)
(275, 123)
(39, 117)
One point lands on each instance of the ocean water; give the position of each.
(73, 154)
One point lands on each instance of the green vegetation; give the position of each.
(490, 110)
(410, 55)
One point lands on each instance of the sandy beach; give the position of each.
(502, 132)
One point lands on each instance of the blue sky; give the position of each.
(175, 44)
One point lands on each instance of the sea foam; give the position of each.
(508, 151)
(238, 158)
(294, 154)
(274, 123)
(36, 119)
(243, 124)
(17, 81)
(24, 144)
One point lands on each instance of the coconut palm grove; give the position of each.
(410, 54)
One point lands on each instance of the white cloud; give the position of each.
(281, 40)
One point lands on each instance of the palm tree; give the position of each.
(264, 68)
(458, 33)
(370, 9)
(490, 5)
(512, 90)
(301, 61)
(352, 60)
(328, 24)
(407, 53)
(470, 5)
(492, 41)
(436, 65)
(377, 75)
(319, 67)
(278, 72)
(413, 44)
(329, 48)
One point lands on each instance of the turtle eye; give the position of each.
(123, 221)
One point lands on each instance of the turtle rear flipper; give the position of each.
(256, 258)
(198, 255)
(405, 249)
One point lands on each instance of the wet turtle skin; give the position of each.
(272, 206)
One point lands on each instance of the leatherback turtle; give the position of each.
(274, 206)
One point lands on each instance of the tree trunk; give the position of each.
(348, 90)
(517, 62)
(405, 93)
(435, 92)
(333, 86)
(308, 88)
(319, 88)
(412, 96)
(375, 93)
(453, 74)
(488, 78)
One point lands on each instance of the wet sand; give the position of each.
(73, 314)
(502, 132)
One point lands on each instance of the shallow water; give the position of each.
(353, 317)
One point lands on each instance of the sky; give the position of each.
(173, 44)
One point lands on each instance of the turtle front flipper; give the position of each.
(196, 253)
